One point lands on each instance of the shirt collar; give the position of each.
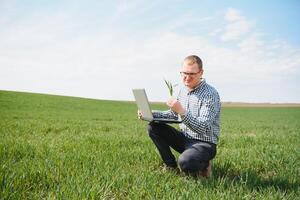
(202, 82)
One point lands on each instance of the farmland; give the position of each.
(56, 147)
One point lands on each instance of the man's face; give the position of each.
(191, 75)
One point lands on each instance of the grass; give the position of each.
(55, 147)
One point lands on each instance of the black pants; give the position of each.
(195, 154)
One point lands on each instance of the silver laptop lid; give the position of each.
(143, 103)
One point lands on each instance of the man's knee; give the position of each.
(185, 163)
(189, 163)
(153, 129)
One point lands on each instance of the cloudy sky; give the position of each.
(103, 49)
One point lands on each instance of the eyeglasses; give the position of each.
(189, 74)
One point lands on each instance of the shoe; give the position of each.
(208, 171)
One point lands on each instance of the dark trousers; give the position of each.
(195, 154)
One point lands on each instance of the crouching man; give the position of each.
(198, 105)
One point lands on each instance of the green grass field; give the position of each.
(54, 147)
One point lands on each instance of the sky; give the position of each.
(103, 49)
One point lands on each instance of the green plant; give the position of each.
(170, 87)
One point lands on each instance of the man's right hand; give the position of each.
(140, 116)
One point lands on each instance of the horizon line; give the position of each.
(224, 103)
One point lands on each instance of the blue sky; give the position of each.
(103, 49)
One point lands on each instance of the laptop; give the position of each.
(144, 106)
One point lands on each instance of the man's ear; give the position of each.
(201, 72)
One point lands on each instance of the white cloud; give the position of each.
(237, 25)
(233, 15)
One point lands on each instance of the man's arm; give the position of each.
(207, 115)
(168, 114)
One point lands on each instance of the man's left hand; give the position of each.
(175, 106)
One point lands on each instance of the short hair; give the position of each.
(193, 59)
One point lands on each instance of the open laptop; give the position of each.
(144, 106)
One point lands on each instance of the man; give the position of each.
(198, 105)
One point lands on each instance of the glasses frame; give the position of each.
(185, 74)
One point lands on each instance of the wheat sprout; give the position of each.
(170, 87)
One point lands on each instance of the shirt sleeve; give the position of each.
(168, 114)
(207, 114)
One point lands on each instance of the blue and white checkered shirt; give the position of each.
(202, 117)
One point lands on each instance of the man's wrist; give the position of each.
(183, 114)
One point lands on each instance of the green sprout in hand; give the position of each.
(170, 87)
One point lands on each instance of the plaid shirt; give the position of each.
(202, 117)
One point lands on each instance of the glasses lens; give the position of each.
(188, 74)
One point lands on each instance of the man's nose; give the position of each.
(187, 78)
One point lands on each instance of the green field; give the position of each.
(54, 147)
